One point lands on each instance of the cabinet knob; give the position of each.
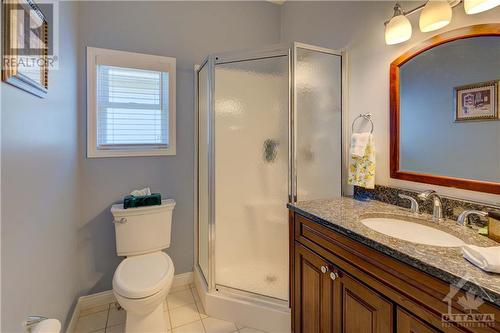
(334, 275)
(324, 269)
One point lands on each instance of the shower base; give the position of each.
(267, 279)
(245, 309)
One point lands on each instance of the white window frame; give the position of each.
(98, 56)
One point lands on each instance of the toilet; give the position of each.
(143, 279)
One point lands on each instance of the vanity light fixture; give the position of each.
(398, 29)
(435, 15)
(478, 6)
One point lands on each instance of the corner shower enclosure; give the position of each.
(269, 132)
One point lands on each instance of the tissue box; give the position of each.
(131, 201)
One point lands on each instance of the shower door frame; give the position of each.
(212, 61)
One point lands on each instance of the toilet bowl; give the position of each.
(143, 279)
(140, 285)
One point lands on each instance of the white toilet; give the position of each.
(143, 279)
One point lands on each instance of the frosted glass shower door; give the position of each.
(251, 175)
(318, 124)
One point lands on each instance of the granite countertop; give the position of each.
(446, 263)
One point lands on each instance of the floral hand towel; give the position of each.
(362, 168)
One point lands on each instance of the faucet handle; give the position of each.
(414, 204)
(463, 218)
(426, 194)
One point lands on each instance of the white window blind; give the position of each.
(132, 108)
(130, 104)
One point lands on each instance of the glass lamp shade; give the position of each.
(435, 15)
(478, 6)
(398, 30)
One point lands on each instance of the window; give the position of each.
(130, 104)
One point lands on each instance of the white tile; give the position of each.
(195, 327)
(250, 330)
(116, 316)
(213, 325)
(201, 310)
(94, 309)
(92, 322)
(184, 315)
(116, 329)
(179, 288)
(180, 298)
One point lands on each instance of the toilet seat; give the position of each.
(143, 275)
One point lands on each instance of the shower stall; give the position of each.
(268, 132)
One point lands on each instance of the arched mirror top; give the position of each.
(445, 110)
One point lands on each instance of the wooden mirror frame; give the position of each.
(11, 73)
(468, 184)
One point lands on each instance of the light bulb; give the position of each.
(398, 30)
(435, 15)
(478, 6)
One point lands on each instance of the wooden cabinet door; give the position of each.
(359, 309)
(407, 323)
(312, 293)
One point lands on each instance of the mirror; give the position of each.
(445, 119)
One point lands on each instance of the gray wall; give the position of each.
(331, 24)
(188, 31)
(40, 191)
(431, 142)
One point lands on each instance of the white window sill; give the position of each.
(97, 153)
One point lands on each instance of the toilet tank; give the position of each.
(143, 229)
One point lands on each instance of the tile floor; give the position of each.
(184, 313)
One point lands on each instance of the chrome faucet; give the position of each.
(414, 203)
(437, 212)
(463, 218)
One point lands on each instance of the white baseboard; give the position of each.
(106, 297)
(91, 301)
(182, 280)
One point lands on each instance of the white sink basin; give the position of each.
(412, 232)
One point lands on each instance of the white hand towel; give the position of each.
(359, 141)
(486, 258)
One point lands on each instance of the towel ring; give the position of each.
(366, 116)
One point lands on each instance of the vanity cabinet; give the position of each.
(339, 285)
(331, 301)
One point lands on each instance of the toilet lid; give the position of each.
(143, 275)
